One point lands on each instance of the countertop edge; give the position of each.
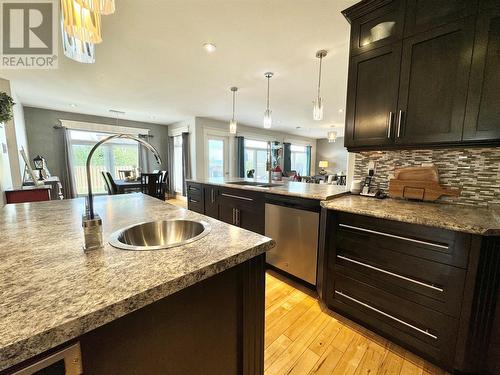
(32, 346)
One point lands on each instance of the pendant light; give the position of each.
(232, 123)
(75, 49)
(80, 22)
(318, 103)
(103, 7)
(332, 136)
(268, 121)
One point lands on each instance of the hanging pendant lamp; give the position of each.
(80, 22)
(103, 7)
(75, 49)
(232, 124)
(332, 136)
(318, 103)
(268, 121)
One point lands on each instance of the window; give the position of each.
(298, 158)
(216, 156)
(256, 157)
(178, 183)
(112, 156)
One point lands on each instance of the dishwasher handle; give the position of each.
(294, 204)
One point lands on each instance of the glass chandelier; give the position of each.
(103, 7)
(318, 103)
(80, 22)
(332, 136)
(268, 121)
(75, 49)
(232, 124)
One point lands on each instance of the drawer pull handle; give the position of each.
(391, 273)
(237, 197)
(193, 188)
(394, 236)
(193, 200)
(425, 332)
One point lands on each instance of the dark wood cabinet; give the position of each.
(433, 85)
(195, 197)
(243, 209)
(380, 26)
(211, 201)
(423, 15)
(482, 120)
(372, 97)
(428, 289)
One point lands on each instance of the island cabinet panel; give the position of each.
(433, 85)
(428, 289)
(423, 15)
(372, 97)
(211, 201)
(194, 194)
(244, 209)
(482, 121)
(213, 327)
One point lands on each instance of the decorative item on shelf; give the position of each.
(233, 124)
(323, 164)
(268, 121)
(39, 163)
(6, 104)
(29, 173)
(332, 136)
(418, 183)
(318, 102)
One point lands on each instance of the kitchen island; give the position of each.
(188, 309)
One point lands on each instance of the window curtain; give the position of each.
(287, 158)
(170, 167)
(308, 160)
(144, 155)
(240, 156)
(186, 162)
(68, 177)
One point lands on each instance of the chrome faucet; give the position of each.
(91, 222)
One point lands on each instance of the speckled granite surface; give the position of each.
(466, 219)
(51, 291)
(320, 192)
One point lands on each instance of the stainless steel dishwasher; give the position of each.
(294, 227)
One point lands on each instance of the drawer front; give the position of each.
(241, 198)
(194, 190)
(435, 285)
(424, 330)
(403, 239)
(195, 204)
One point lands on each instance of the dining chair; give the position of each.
(110, 183)
(151, 184)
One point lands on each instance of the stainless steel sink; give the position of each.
(253, 183)
(156, 235)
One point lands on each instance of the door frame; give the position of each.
(226, 151)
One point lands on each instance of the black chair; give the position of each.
(152, 185)
(110, 183)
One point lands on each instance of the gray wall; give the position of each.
(46, 141)
(335, 153)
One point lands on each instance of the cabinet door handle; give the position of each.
(389, 128)
(193, 200)
(234, 215)
(393, 236)
(391, 273)
(425, 332)
(400, 120)
(237, 216)
(212, 194)
(237, 197)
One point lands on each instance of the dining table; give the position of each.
(127, 186)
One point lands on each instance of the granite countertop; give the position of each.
(51, 291)
(475, 220)
(320, 192)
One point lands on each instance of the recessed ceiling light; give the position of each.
(209, 47)
(341, 110)
(73, 105)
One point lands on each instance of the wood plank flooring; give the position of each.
(303, 337)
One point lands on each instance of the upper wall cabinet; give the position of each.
(423, 15)
(378, 26)
(482, 121)
(434, 85)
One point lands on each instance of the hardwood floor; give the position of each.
(303, 337)
(177, 202)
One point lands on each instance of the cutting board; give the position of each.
(420, 183)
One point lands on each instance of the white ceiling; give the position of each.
(151, 63)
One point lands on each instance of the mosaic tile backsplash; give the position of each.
(476, 171)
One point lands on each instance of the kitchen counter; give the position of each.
(52, 291)
(295, 189)
(481, 221)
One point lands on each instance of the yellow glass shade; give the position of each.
(80, 22)
(323, 164)
(103, 7)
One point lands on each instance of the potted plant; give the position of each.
(6, 104)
